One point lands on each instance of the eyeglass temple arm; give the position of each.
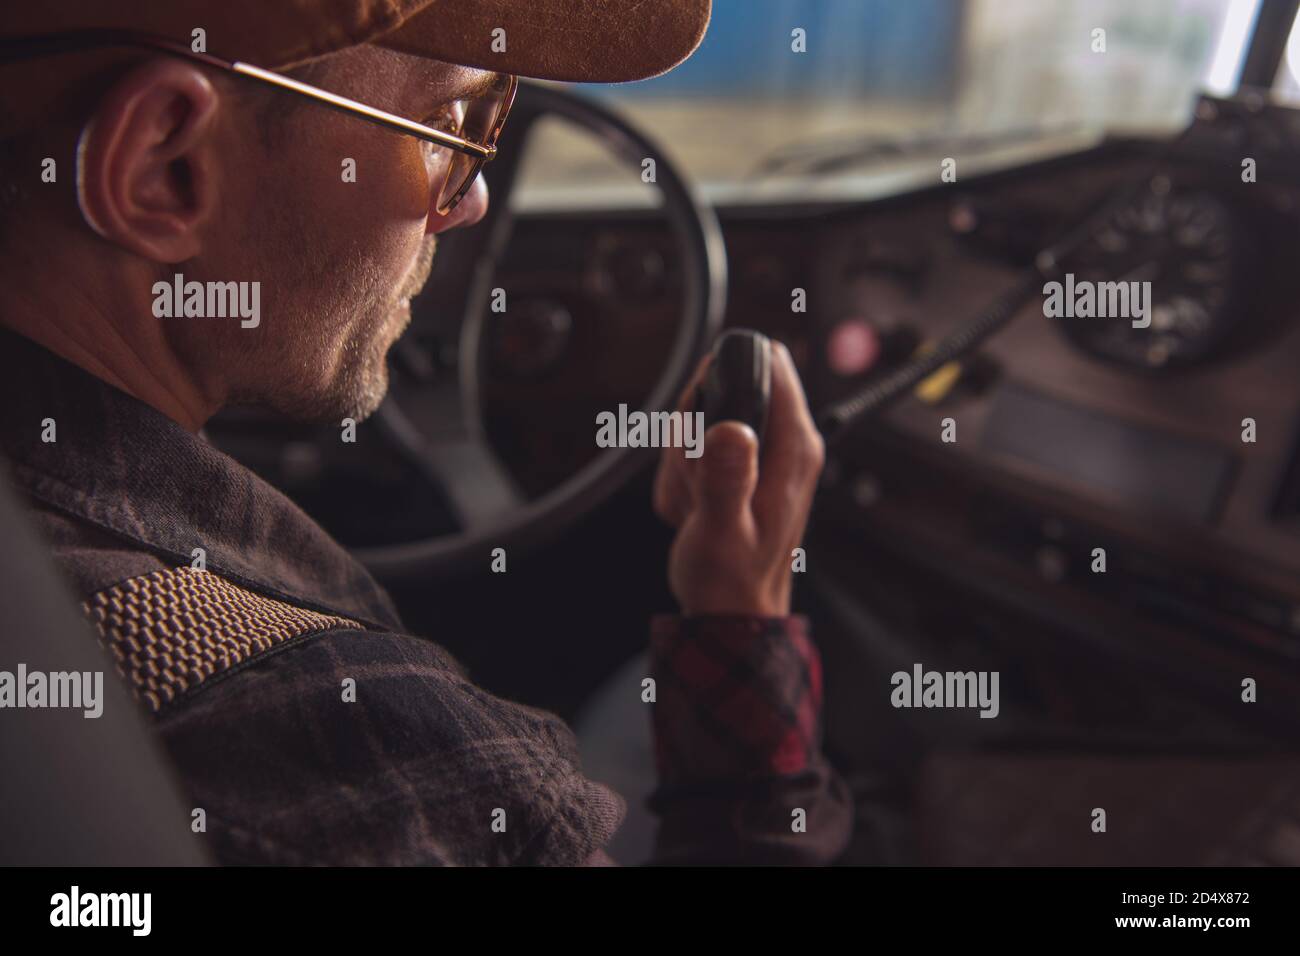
(390, 120)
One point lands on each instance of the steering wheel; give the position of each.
(440, 429)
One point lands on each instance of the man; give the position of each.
(298, 716)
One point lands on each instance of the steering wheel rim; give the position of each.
(525, 524)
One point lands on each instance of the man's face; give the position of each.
(338, 260)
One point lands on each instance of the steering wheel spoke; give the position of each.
(456, 461)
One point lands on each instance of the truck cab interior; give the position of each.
(1107, 515)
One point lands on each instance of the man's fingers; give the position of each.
(792, 456)
(672, 500)
(794, 450)
(727, 473)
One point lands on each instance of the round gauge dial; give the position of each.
(1185, 243)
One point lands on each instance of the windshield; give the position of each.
(853, 98)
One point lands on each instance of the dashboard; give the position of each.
(1170, 451)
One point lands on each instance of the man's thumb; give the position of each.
(730, 470)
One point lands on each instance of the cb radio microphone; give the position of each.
(738, 383)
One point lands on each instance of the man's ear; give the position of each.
(146, 161)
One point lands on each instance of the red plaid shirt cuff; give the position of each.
(736, 698)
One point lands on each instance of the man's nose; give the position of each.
(471, 208)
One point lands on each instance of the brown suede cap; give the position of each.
(601, 41)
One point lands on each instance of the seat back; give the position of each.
(75, 791)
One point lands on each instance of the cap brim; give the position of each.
(589, 41)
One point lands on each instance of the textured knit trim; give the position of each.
(173, 630)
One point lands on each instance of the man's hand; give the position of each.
(736, 527)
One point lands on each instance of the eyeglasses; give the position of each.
(474, 124)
